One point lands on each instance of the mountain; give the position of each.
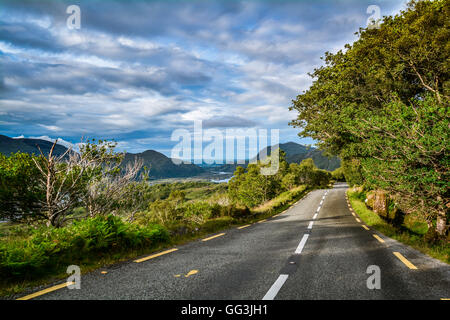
(9, 145)
(294, 153)
(162, 167)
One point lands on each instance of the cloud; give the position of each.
(138, 70)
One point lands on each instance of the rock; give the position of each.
(370, 198)
(380, 203)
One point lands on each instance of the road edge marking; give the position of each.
(155, 255)
(242, 227)
(45, 291)
(213, 237)
(405, 261)
(378, 238)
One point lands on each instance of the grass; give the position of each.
(211, 226)
(411, 233)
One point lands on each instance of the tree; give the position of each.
(65, 178)
(21, 194)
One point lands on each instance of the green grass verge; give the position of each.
(412, 231)
(277, 205)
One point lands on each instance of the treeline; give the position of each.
(382, 105)
(249, 187)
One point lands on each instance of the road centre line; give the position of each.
(318, 209)
(302, 243)
(404, 260)
(42, 292)
(272, 293)
(315, 216)
(310, 225)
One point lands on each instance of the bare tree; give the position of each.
(105, 194)
(66, 177)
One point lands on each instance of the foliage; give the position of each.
(48, 249)
(412, 232)
(251, 188)
(21, 194)
(338, 174)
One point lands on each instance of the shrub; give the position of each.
(48, 249)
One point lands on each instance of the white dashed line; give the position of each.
(302, 243)
(272, 293)
(318, 209)
(315, 216)
(310, 225)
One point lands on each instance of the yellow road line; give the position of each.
(262, 221)
(155, 255)
(217, 235)
(445, 298)
(378, 238)
(404, 260)
(357, 219)
(51, 289)
(190, 273)
(242, 227)
(353, 214)
(365, 227)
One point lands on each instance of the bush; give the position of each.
(338, 175)
(48, 249)
(197, 212)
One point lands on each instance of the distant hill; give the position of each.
(295, 152)
(31, 146)
(162, 167)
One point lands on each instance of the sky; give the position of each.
(136, 71)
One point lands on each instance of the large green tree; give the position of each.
(383, 102)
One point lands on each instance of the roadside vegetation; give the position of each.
(412, 230)
(84, 208)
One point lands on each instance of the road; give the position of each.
(296, 255)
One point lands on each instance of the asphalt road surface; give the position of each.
(306, 252)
